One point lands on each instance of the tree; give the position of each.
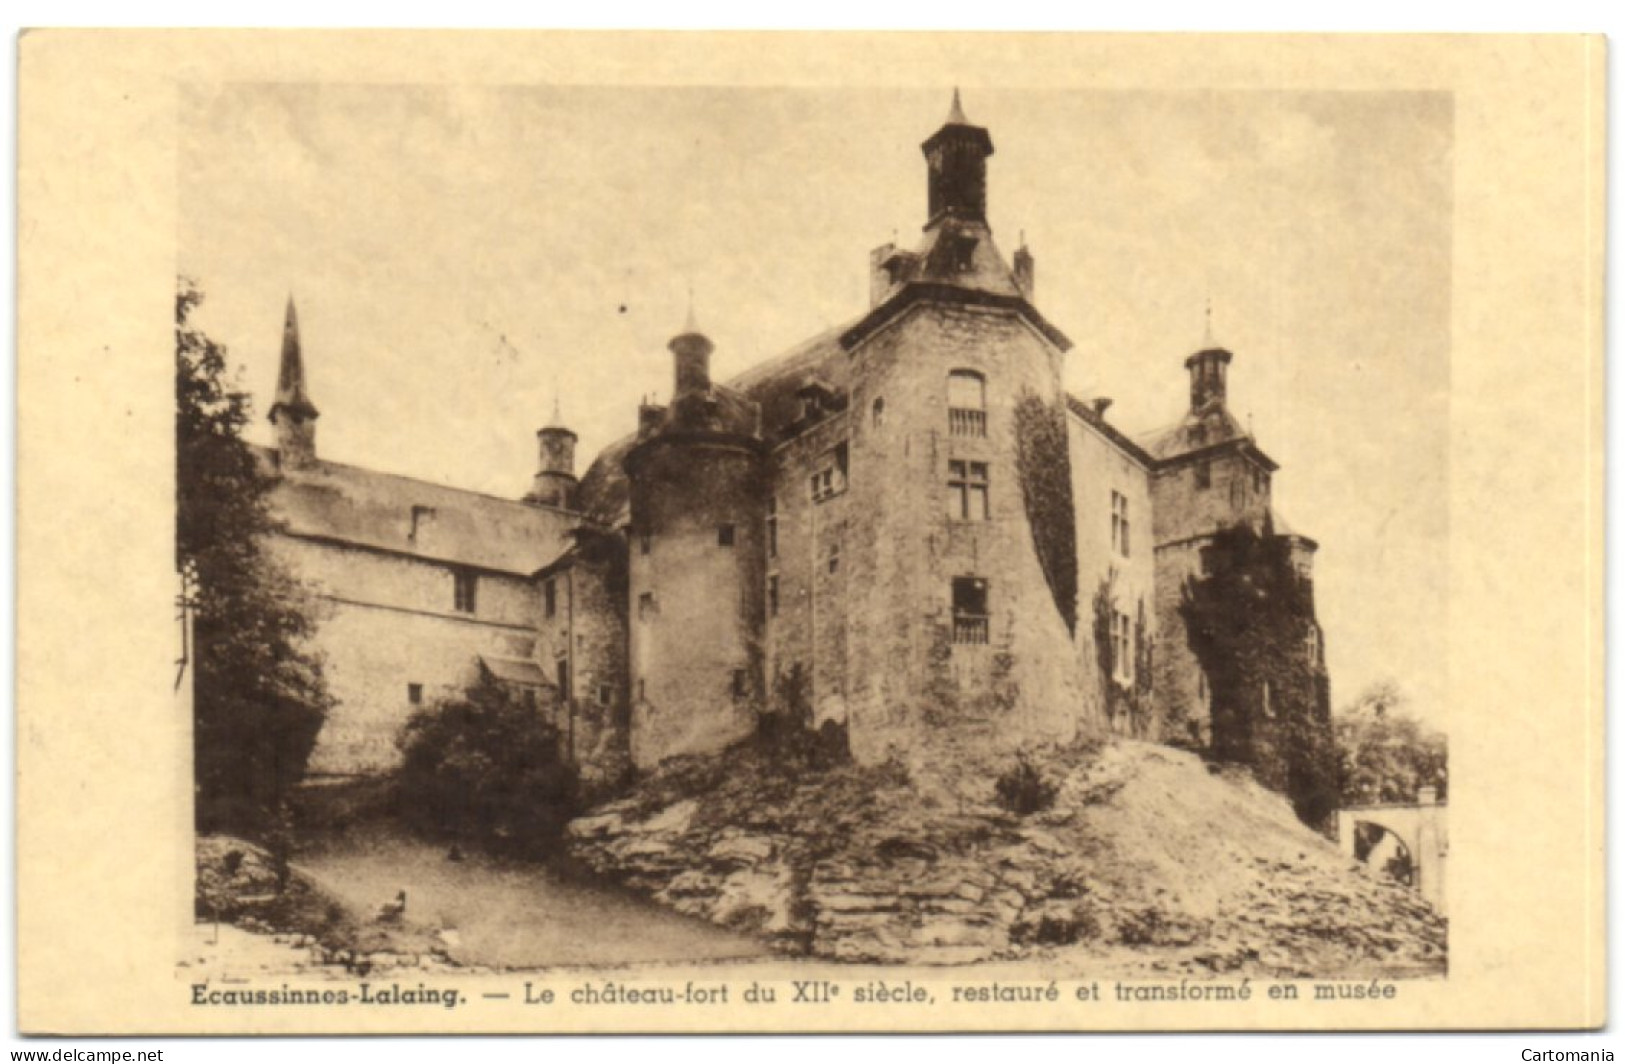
(259, 692)
(485, 766)
(1384, 753)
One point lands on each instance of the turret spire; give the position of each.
(292, 412)
(956, 159)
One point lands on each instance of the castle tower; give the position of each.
(1208, 369)
(292, 413)
(696, 563)
(555, 480)
(947, 610)
(956, 157)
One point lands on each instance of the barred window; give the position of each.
(970, 610)
(967, 403)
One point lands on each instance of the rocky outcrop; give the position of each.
(1145, 854)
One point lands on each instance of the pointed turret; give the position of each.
(555, 480)
(292, 412)
(692, 350)
(956, 156)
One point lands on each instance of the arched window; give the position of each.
(877, 413)
(967, 403)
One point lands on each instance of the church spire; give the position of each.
(292, 412)
(956, 161)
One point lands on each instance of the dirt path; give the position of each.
(513, 915)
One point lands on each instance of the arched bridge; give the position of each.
(1413, 838)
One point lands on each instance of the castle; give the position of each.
(900, 530)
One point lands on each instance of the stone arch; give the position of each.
(1416, 830)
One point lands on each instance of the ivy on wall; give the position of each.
(1128, 704)
(1045, 468)
(1248, 619)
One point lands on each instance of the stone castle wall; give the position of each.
(388, 623)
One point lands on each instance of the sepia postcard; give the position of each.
(741, 532)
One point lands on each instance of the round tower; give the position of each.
(697, 564)
(555, 480)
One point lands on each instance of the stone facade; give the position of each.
(902, 532)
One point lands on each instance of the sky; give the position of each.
(465, 258)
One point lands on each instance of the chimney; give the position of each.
(1024, 271)
(1101, 403)
(649, 415)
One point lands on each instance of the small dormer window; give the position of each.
(963, 252)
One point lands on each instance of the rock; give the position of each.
(596, 827)
(674, 819)
(741, 850)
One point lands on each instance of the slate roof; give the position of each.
(366, 508)
(1197, 430)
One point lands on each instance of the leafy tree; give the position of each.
(1384, 753)
(259, 692)
(486, 767)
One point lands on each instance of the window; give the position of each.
(830, 480)
(644, 543)
(414, 693)
(646, 606)
(967, 491)
(561, 670)
(773, 595)
(835, 556)
(463, 589)
(741, 683)
(1123, 647)
(773, 528)
(725, 535)
(643, 690)
(1120, 523)
(605, 694)
(877, 413)
(970, 610)
(550, 597)
(1204, 476)
(1311, 643)
(967, 403)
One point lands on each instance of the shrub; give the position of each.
(486, 768)
(1024, 788)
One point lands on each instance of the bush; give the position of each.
(1024, 788)
(486, 768)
